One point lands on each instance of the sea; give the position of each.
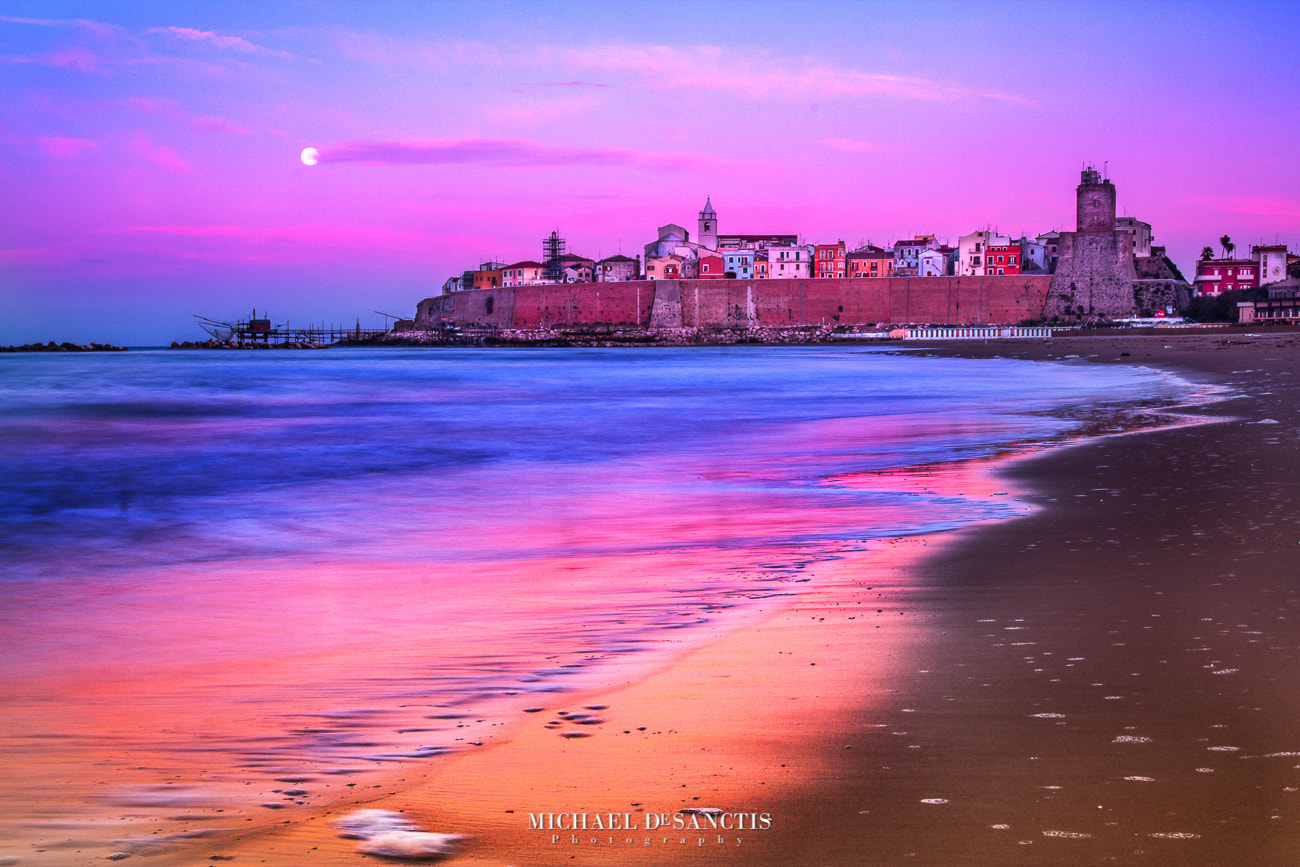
(221, 570)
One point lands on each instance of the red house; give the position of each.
(828, 260)
(712, 268)
(1215, 276)
(1000, 259)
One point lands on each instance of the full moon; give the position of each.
(310, 156)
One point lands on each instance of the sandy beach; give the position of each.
(1106, 680)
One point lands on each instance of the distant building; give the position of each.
(451, 285)
(870, 261)
(488, 275)
(711, 268)
(760, 264)
(1272, 263)
(1282, 306)
(907, 254)
(1216, 276)
(789, 262)
(1034, 257)
(740, 263)
(671, 268)
(1002, 259)
(972, 251)
(755, 242)
(618, 269)
(526, 273)
(934, 263)
(828, 260)
(576, 269)
(1052, 242)
(1140, 232)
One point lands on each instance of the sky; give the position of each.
(150, 152)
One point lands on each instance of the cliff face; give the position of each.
(746, 303)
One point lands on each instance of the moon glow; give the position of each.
(310, 156)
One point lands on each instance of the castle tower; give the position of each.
(1095, 203)
(1094, 270)
(708, 234)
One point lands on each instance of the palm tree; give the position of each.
(1226, 243)
(1207, 253)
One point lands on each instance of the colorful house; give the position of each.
(740, 263)
(618, 269)
(526, 273)
(711, 268)
(828, 260)
(1002, 259)
(870, 261)
(792, 262)
(1216, 276)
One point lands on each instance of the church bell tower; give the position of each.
(708, 234)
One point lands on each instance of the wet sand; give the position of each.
(1108, 680)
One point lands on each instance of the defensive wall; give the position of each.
(746, 303)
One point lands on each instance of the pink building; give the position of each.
(526, 273)
(1002, 259)
(1216, 276)
(828, 260)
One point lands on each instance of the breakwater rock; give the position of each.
(613, 336)
(64, 347)
(214, 343)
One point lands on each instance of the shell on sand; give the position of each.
(411, 844)
(365, 824)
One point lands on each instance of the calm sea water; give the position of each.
(247, 563)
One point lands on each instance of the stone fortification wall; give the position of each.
(747, 303)
(1094, 277)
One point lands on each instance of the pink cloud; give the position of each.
(1255, 206)
(332, 237)
(95, 27)
(861, 147)
(516, 153)
(161, 155)
(64, 148)
(567, 84)
(561, 107)
(234, 43)
(75, 59)
(709, 68)
(221, 125)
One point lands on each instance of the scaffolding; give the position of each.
(552, 257)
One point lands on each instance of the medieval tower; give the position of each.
(1095, 271)
(708, 234)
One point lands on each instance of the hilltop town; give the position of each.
(1108, 268)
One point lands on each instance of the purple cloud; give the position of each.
(64, 148)
(515, 153)
(233, 43)
(160, 155)
(76, 59)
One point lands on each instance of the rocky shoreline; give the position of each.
(64, 347)
(617, 336)
(214, 343)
